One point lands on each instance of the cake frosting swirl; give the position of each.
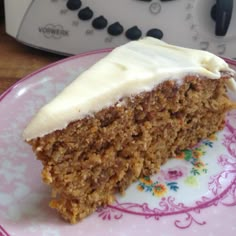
(135, 67)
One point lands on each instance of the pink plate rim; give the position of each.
(80, 55)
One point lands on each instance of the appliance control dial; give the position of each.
(156, 33)
(115, 29)
(85, 14)
(100, 22)
(133, 33)
(73, 4)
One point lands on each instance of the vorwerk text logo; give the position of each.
(53, 31)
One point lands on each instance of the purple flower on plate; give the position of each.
(174, 173)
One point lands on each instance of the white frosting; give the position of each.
(135, 67)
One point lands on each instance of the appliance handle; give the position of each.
(223, 14)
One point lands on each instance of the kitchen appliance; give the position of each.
(75, 26)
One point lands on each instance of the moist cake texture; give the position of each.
(123, 118)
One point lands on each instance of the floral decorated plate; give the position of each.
(194, 194)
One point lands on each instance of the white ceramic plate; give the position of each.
(194, 194)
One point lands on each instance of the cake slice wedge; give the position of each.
(123, 118)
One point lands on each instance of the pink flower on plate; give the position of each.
(172, 174)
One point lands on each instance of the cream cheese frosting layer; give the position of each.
(135, 67)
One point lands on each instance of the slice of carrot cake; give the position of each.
(123, 118)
